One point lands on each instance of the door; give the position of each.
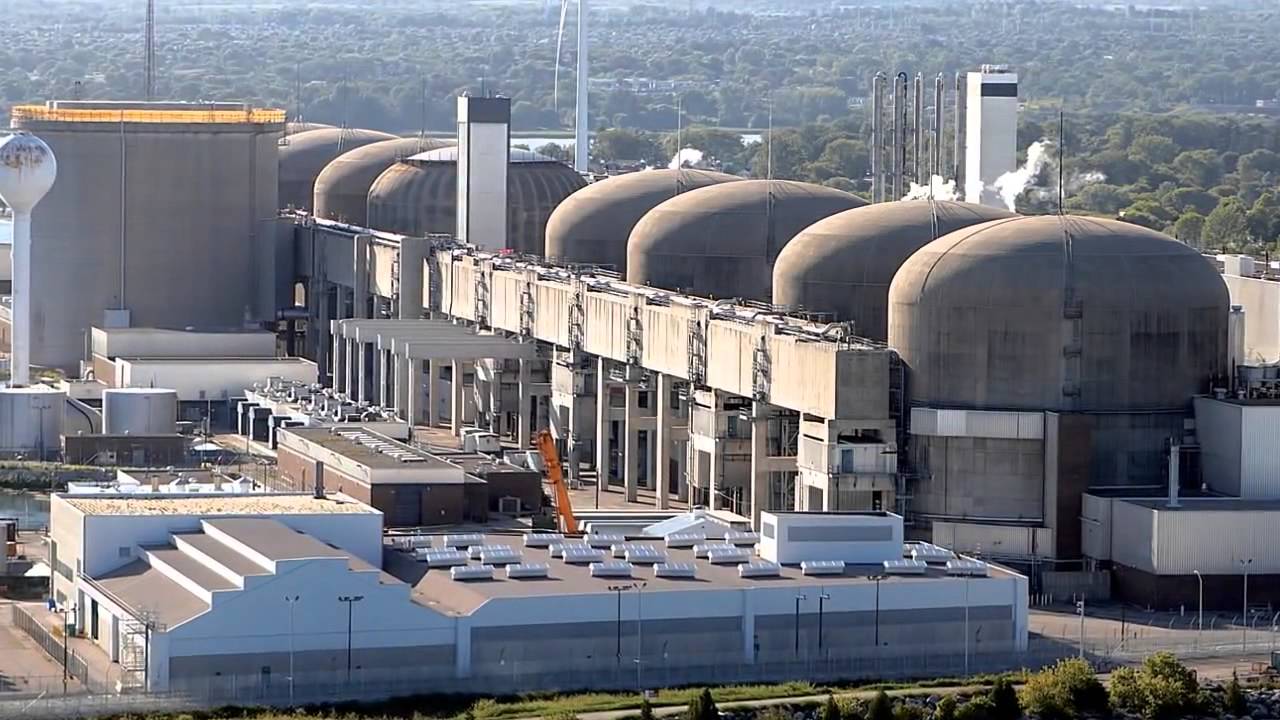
(93, 619)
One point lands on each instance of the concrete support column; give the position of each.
(318, 307)
(455, 409)
(353, 370)
(433, 393)
(339, 379)
(573, 444)
(714, 501)
(379, 394)
(662, 454)
(362, 370)
(524, 423)
(631, 443)
(413, 253)
(360, 275)
(602, 423)
(404, 387)
(495, 397)
(683, 470)
(759, 461)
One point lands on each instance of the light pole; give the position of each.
(966, 626)
(639, 634)
(617, 590)
(822, 596)
(1244, 632)
(1200, 607)
(292, 600)
(798, 599)
(876, 579)
(351, 601)
(1080, 609)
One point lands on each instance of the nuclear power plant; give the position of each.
(499, 419)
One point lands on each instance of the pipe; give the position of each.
(918, 128)
(877, 137)
(939, 92)
(899, 132)
(956, 121)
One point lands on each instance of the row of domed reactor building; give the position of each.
(1076, 396)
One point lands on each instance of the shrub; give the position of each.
(1234, 700)
(1161, 689)
(978, 708)
(907, 711)
(1004, 700)
(830, 710)
(646, 709)
(774, 712)
(702, 707)
(880, 708)
(1065, 691)
(945, 709)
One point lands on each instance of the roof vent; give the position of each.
(676, 570)
(905, 567)
(759, 569)
(542, 540)
(579, 555)
(968, 568)
(472, 572)
(604, 540)
(645, 554)
(704, 549)
(463, 540)
(822, 567)
(741, 537)
(525, 571)
(439, 558)
(728, 556)
(685, 540)
(500, 555)
(611, 569)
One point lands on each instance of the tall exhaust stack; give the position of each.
(991, 138)
(27, 172)
(581, 143)
(484, 153)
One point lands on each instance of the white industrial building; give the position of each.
(205, 591)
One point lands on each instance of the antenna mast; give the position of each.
(150, 50)
(1062, 155)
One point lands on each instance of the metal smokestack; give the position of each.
(581, 160)
(27, 172)
(939, 92)
(877, 137)
(899, 132)
(918, 127)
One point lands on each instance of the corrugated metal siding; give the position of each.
(1133, 541)
(977, 423)
(1183, 546)
(1219, 429)
(1259, 459)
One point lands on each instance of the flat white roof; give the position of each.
(229, 504)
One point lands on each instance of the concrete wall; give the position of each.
(1219, 429)
(174, 209)
(1261, 302)
(976, 478)
(212, 379)
(162, 343)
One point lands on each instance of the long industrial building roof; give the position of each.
(204, 505)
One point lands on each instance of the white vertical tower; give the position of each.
(484, 151)
(27, 171)
(991, 132)
(581, 142)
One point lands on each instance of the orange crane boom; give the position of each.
(555, 473)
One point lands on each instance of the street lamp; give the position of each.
(66, 643)
(639, 634)
(966, 626)
(876, 579)
(351, 601)
(1244, 632)
(617, 590)
(292, 600)
(798, 599)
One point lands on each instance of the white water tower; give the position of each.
(27, 172)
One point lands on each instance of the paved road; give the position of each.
(24, 667)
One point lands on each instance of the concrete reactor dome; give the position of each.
(420, 196)
(592, 225)
(843, 264)
(342, 188)
(294, 128)
(1058, 313)
(304, 155)
(721, 241)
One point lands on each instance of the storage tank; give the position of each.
(342, 188)
(161, 214)
(1083, 339)
(721, 241)
(31, 421)
(843, 264)
(592, 225)
(304, 155)
(419, 196)
(139, 411)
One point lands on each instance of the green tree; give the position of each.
(1004, 700)
(720, 145)
(1161, 689)
(1185, 198)
(1065, 691)
(880, 707)
(1201, 168)
(646, 709)
(627, 145)
(830, 709)
(1189, 227)
(906, 711)
(1234, 699)
(1154, 149)
(945, 709)
(1263, 218)
(848, 158)
(1227, 225)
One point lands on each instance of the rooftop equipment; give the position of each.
(500, 555)
(542, 540)
(437, 558)
(581, 555)
(685, 540)
(611, 569)
(463, 540)
(645, 554)
(524, 571)
(673, 570)
(703, 550)
(604, 540)
(905, 567)
(471, 572)
(728, 556)
(966, 567)
(741, 537)
(759, 569)
(822, 567)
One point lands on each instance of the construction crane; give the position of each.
(555, 473)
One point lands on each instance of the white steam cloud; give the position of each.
(939, 188)
(1012, 184)
(686, 158)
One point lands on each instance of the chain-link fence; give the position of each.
(54, 647)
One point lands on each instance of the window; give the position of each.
(125, 551)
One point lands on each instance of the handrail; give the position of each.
(41, 113)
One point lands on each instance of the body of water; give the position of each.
(31, 509)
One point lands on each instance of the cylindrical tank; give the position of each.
(31, 420)
(304, 155)
(843, 264)
(160, 209)
(1058, 313)
(420, 196)
(342, 188)
(592, 225)
(721, 241)
(139, 411)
